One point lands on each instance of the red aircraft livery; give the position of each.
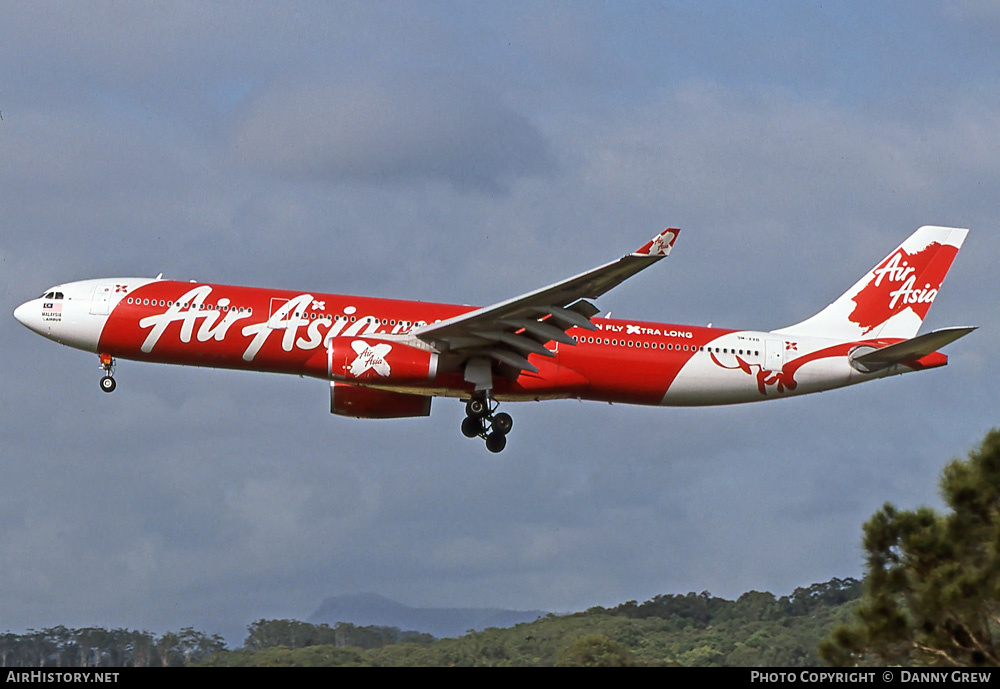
(387, 358)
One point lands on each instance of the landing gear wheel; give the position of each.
(472, 427)
(480, 421)
(496, 442)
(108, 366)
(502, 423)
(477, 408)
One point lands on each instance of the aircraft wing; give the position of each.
(510, 330)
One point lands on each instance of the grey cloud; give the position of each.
(369, 132)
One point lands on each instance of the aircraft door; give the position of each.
(774, 355)
(101, 303)
(276, 304)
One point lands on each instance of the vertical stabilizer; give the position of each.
(892, 299)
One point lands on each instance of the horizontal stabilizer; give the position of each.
(910, 350)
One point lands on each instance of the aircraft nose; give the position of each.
(28, 315)
(21, 313)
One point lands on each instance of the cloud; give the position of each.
(772, 154)
(394, 132)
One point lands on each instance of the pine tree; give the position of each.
(933, 585)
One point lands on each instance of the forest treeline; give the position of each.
(97, 647)
(692, 629)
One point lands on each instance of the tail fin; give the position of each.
(893, 298)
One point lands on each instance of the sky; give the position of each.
(466, 153)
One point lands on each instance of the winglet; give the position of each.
(660, 245)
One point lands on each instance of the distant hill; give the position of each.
(366, 609)
(691, 630)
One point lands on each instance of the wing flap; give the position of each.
(567, 318)
(510, 358)
(540, 329)
(524, 344)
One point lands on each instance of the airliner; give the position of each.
(388, 358)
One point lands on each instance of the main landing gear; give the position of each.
(482, 422)
(108, 381)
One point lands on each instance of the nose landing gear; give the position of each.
(480, 421)
(108, 381)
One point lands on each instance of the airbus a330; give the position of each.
(388, 358)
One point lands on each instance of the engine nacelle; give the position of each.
(371, 360)
(366, 403)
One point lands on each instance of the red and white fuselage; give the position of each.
(388, 357)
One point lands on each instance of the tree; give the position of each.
(287, 633)
(167, 649)
(195, 646)
(933, 586)
(8, 645)
(595, 650)
(143, 649)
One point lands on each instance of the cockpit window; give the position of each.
(52, 295)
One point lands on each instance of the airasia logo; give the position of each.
(291, 322)
(661, 245)
(370, 358)
(894, 286)
(898, 270)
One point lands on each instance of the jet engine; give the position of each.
(376, 361)
(368, 403)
